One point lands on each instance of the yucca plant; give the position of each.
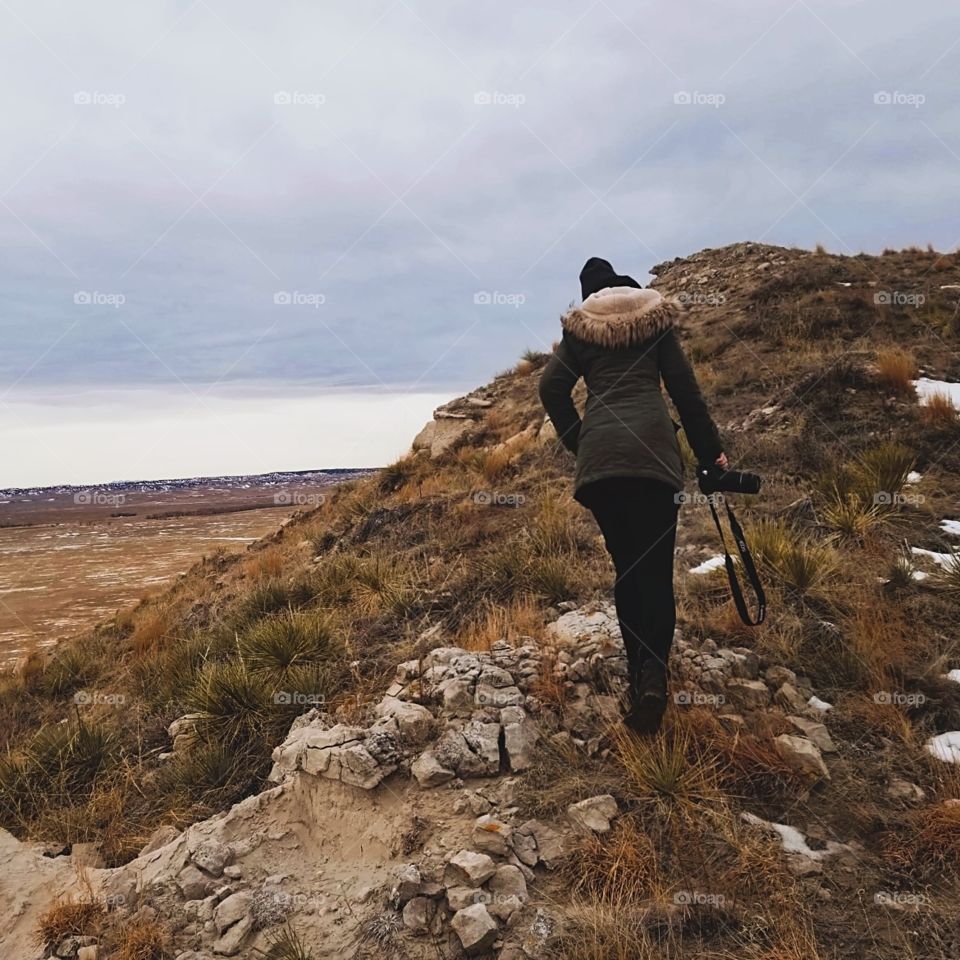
(59, 764)
(673, 773)
(286, 944)
(883, 470)
(948, 577)
(289, 639)
(235, 703)
(337, 579)
(211, 773)
(162, 679)
(798, 562)
(851, 517)
(68, 756)
(902, 570)
(384, 584)
(69, 669)
(264, 598)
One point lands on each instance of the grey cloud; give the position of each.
(496, 197)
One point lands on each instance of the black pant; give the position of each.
(638, 519)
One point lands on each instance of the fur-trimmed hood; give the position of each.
(620, 316)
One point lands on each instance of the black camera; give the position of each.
(714, 479)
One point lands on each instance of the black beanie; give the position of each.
(598, 274)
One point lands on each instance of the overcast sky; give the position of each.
(221, 198)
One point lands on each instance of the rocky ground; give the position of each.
(402, 831)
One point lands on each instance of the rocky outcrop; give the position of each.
(451, 423)
(472, 702)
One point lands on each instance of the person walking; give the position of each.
(623, 341)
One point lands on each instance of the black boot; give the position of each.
(648, 698)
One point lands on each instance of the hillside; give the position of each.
(410, 692)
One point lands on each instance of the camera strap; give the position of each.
(748, 565)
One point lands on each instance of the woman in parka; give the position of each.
(622, 340)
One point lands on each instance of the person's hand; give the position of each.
(722, 462)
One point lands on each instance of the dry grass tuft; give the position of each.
(896, 368)
(70, 918)
(929, 845)
(675, 774)
(141, 940)
(746, 764)
(150, 632)
(596, 931)
(619, 868)
(265, 565)
(939, 412)
(514, 621)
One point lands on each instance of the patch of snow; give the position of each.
(926, 388)
(953, 675)
(914, 477)
(792, 840)
(708, 565)
(951, 526)
(945, 746)
(819, 704)
(919, 575)
(940, 559)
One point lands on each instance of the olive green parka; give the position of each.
(623, 342)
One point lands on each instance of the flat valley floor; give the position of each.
(66, 566)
